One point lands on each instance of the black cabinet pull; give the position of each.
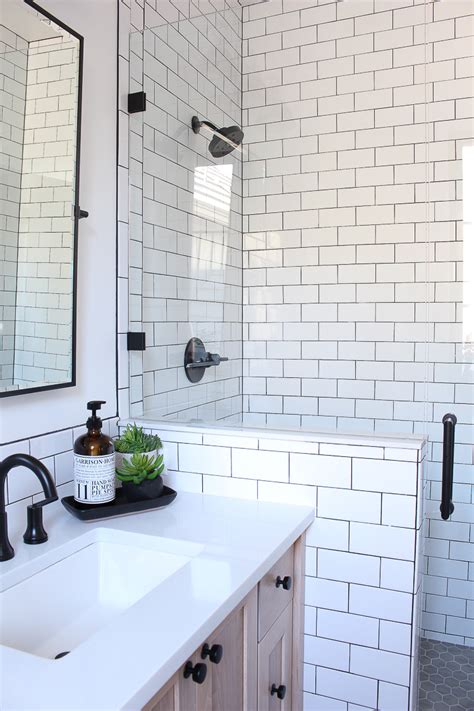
(447, 506)
(198, 672)
(214, 653)
(284, 582)
(280, 691)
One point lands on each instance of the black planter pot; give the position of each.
(148, 489)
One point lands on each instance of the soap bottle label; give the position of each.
(94, 479)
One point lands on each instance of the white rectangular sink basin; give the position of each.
(63, 604)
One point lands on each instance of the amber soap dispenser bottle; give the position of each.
(94, 462)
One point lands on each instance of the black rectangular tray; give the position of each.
(120, 506)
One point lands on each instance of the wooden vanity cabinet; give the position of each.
(170, 697)
(275, 653)
(257, 650)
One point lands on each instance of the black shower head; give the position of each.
(219, 147)
(224, 140)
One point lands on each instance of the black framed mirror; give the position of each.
(41, 66)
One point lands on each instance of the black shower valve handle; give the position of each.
(215, 358)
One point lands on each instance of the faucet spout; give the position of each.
(35, 532)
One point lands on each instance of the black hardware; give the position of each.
(224, 140)
(80, 213)
(214, 653)
(136, 102)
(196, 124)
(284, 582)
(136, 341)
(35, 532)
(198, 672)
(197, 359)
(61, 655)
(280, 691)
(447, 506)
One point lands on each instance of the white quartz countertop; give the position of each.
(121, 666)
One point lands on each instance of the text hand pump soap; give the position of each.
(94, 462)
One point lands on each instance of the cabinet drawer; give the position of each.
(273, 598)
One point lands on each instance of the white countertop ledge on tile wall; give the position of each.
(125, 662)
(265, 432)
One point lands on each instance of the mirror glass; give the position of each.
(40, 74)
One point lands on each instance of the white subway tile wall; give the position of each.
(46, 226)
(358, 121)
(13, 62)
(363, 585)
(185, 225)
(343, 323)
(55, 450)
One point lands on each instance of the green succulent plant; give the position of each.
(133, 439)
(141, 467)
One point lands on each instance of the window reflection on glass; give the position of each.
(213, 192)
(468, 248)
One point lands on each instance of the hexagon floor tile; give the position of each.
(446, 676)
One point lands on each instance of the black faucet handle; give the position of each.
(35, 531)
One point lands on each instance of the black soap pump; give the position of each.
(94, 462)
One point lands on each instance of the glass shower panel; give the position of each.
(447, 652)
(188, 211)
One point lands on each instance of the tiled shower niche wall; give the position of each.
(185, 215)
(358, 122)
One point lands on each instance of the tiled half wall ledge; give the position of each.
(364, 550)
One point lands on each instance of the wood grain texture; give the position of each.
(272, 600)
(275, 663)
(167, 699)
(233, 681)
(298, 624)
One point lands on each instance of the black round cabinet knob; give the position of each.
(198, 672)
(214, 653)
(284, 582)
(280, 691)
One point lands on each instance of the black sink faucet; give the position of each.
(35, 532)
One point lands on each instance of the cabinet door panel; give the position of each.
(233, 681)
(274, 664)
(167, 699)
(181, 694)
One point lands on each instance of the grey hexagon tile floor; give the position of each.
(446, 677)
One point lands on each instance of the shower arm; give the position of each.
(196, 125)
